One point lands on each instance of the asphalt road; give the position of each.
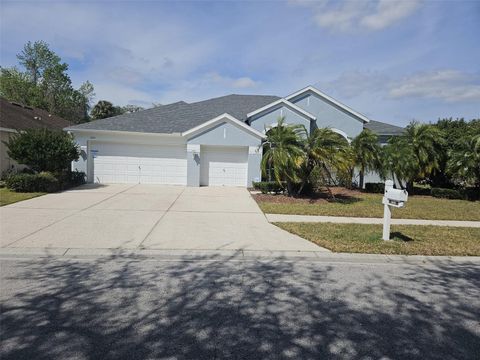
(151, 308)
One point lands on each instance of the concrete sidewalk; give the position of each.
(359, 220)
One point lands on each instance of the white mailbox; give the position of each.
(395, 197)
(391, 197)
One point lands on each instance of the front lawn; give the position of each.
(358, 204)
(9, 197)
(407, 239)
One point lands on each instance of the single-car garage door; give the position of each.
(139, 164)
(223, 166)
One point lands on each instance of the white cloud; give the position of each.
(447, 85)
(244, 82)
(350, 15)
(388, 12)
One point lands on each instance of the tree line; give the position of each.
(41, 80)
(444, 154)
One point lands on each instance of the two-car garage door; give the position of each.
(153, 164)
(144, 164)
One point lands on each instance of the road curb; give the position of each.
(226, 255)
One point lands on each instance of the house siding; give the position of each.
(266, 120)
(329, 115)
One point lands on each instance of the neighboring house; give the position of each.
(211, 142)
(15, 117)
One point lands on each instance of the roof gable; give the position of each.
(328, 99)
(202, 128)
(281, 102)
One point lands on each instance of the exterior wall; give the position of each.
(329, 115)
(266, 120)
(193, 165)
(254, 160)
(225, 134)
(6, 162)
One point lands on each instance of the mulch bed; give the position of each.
(340, 194)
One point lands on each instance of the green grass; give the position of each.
(10, 197)
(407, 239)
(370, 205)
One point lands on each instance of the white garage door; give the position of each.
(223, 166)
(139, 164)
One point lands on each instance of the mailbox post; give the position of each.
(392, 197)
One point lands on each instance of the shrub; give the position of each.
(42, 182)
(77, 178)
(446, 193)
(269, 187)
(471, 193)
(377, 188)
(68, 179)
(43, 149)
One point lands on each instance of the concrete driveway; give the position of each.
(144, 217)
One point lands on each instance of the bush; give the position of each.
(377, 188)
(471, 193)
(68, 179)
(446, 193)
(42, 182)
(269, 187)
(43, 149)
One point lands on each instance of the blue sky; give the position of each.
(394, 61)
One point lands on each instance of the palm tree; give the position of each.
(464, 161)
(103, 109)
(326, 151)
(416, 153)
(398, 162)
(366, 153)
(282, 151)
(426, 142)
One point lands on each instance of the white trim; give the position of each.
(193, 148)
(287, 104)
(330, 99)
(343, 133)
(73, 130)
(254, 150)
(219, 119)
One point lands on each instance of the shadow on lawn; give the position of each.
(400, 236)
(134, 308)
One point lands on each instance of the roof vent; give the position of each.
(37, 118)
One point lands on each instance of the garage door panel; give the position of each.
(223, 166)
(119, 163)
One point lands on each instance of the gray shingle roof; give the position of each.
(382, 128)
(180, 116)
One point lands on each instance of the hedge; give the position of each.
(269, 187)
(375, 188)
(44, 181)
(41, 182)
(446, 193)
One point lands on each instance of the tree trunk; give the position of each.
(362, 175)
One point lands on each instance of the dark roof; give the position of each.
(382, 128)
(20, 117)
(180, 116)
